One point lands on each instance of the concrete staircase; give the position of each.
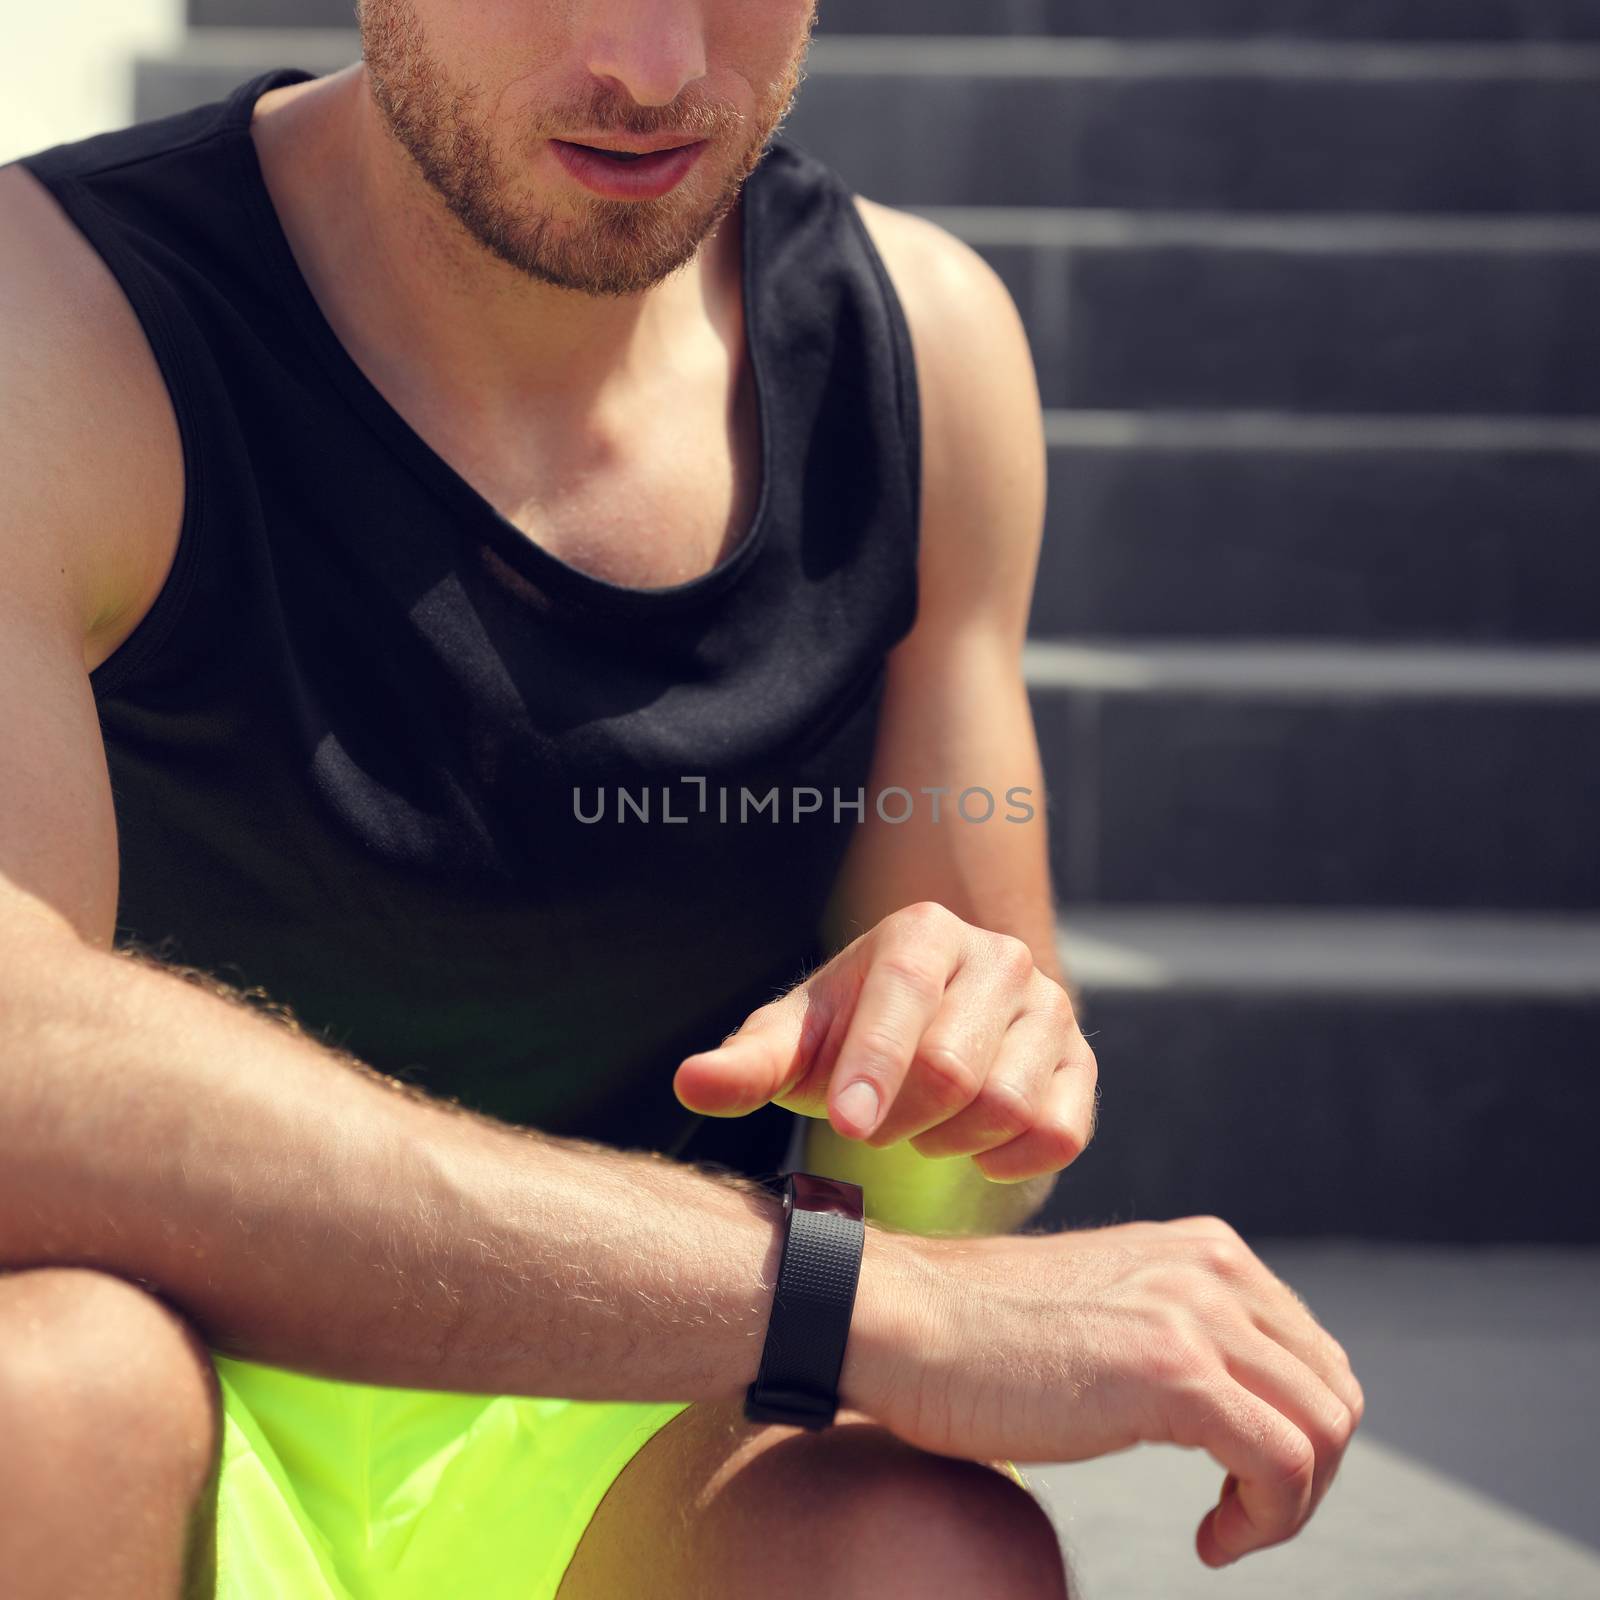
(1316, 657)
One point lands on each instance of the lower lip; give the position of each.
(648, 178)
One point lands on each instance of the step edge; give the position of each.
(1386, 433)
(1325, 233)
(1054, 56)
(1254, 951)
(1314, 669)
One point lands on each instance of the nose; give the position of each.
(650, 49)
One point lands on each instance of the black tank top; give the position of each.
(496, 825)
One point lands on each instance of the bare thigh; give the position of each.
(715, 1507)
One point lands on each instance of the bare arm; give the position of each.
(956, 710)
(298, 1208)
(937, 1056)
(304, 1212)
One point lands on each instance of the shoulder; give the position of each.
(984, 459)
(932, 267)
(958, 307)
(90, 453)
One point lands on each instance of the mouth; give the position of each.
(624, 173)
(631, 148)
(611, 155)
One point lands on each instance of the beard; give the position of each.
(586, 243)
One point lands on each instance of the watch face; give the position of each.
(812, 1193)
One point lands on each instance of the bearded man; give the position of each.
(514, 735)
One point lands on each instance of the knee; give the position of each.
(880, 1517)
(936, 1525)
(99, 1380)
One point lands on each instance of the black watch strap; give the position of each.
(824, 1237)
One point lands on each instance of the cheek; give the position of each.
(762, 39)
(513, 53)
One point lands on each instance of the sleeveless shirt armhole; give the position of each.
(97, 226)
(906, 381)
(905, 363)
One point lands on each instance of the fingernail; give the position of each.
(858, 1105)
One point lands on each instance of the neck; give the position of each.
(424, 306)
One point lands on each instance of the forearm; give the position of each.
(306, 1213)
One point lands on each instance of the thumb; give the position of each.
(763, 1058)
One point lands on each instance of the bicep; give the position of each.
(956, 733)
(85, 468)
(956, 717)
(984, 456)
(58, 841)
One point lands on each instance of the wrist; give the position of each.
(897, 1300)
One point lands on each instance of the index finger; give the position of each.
(899, 998)
(1270, 1464)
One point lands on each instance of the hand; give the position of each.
(1069, 1346)
(923, 1029)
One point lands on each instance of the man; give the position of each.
(494, 539)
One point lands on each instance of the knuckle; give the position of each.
(878, 1050)
(914, 972)
(945, 1067)
(1063, 1144)
(1058, 1004)
(1206, 1226)
(921, 917)
(1227, 1258)
(1006, 1108)
(1292, 1457)
(1342, 1425)
(1012, 956)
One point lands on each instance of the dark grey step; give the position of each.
(1258, 126)
(1368, 1118)
(1341, 19)
(1284, 775)
(1200, 19)
(1249, 126)
(1420, 1079)
(1349, 314)
(1277, 526)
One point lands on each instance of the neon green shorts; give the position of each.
(341, 1491)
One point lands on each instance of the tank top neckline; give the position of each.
(476, 513)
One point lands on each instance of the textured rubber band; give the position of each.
(818, 1273)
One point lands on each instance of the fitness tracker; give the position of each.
(824, 1235)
